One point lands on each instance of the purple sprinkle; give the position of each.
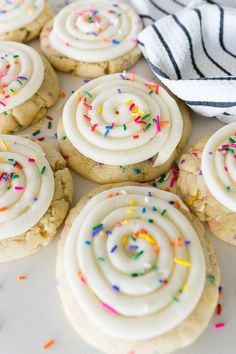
(150, 194)
(108, 232)
(115, 288)
(182, 161)
(114, 248)
(187, 243)
(171, 202)
(133, 248)
(95, 232)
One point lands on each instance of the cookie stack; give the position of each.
(133, 261)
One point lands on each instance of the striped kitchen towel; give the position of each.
(192, 50)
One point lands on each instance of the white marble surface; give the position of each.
(31, 311)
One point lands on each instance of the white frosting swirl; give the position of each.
(26, 185)
(116, 120)
(140, 263)
(15, 14)
(219, 165)
(95, 31)
(21, 74)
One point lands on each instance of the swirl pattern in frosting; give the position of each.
(26, 185)
(123, 120)
(95, 31)
(21, 74)
(219, 165)
(140, 263)
(15, 14)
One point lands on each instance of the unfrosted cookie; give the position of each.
(122, 128)
(22, 21)
(35, 195)
(92, 38)
(207, 181)
(135, 272)
(28, 87)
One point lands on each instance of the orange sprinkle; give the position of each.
(164, 123)
(62, 94)
(177, 204)
(49, 344)
(3, 209)
(22, 277)
(233, 184)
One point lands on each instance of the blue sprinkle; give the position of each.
(88, 243)
(143, 210)
(137, 171)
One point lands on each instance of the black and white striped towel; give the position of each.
(192, 50)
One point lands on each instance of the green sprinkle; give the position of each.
(64, 137)
(43, 170)
(124, 126)
(133, 238)
(15, 56)
(151, 221)
(139, 254)
(148, 126)
(228, 188)
(145, 116)
(175, 299)
(88, 94)
(150, 92)
(211, 278)
(231, 151)
(97, 226)
(134, 275)
(163, 212)
(49, 125)
(101, 259)
(232, 140)
(16, 176)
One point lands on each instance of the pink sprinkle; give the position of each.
(219, 325)
(31, 160)
(226, 169)
(158, 125)
(172, 182)
(3, 104)
(109, 309)
(82, 278)
(131, 107)
(19, 188)
(137, 118)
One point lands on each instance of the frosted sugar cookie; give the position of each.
(121, 128)
(136, 273)
(23, 20)
(92, 38)
(207, 181)
(28, 86)
(35, 195)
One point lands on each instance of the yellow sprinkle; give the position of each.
(101, 233)
(147, 237)
(132, 202)
(35, 129)
(100, 109)
(4, 145)
(30, 10)
(128, 103)
(125, 240)
(186, 288)
(182, 262)
(135, 109)
(13, 94)
(174, 190)
(130, 211)
(193, 199)
(126, 221)
(1, 159)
